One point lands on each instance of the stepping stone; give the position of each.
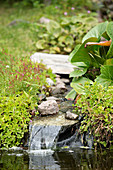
(58, 63)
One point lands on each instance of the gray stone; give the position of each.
(65, 106)
(49, 107)
(50, 82)
(60, 87)
(71, 116)
(58, 63)
(58, 100)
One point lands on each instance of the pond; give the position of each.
(77, 159)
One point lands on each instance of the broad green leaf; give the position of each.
(52, 25)
(57, 32)
(66, 21)
(80, 54)
(69, 40)
(41, 44)
(73, 52)
(109, 62)
(67, 49)
(78, 72)
(110, 33)
(80, 64)
(71, 94)
(96, 32)
(78, 85)
(106, 76)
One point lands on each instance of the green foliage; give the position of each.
(93, 61)
(61, 37)
(23, 75)
(14, 118)
(97, 108)
(20, 83)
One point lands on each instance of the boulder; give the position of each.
(49, 107)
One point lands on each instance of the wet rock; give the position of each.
(65, 106)
(66, 81)
(49, 107)
(60, 87)
(71, 116)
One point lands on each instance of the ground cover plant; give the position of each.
(14, 118)
(21, 81)
(96, 105)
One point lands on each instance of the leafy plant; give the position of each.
(14, 118)
(96, 105)
(23, 75)
(90, 58)
(61, 37)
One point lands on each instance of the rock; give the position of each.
(50, 82)
(45, 132)
(65, 106)
(58, 100)
(42, 96)
(66, 81)
(71, 116)
(57, 62)
(49, 107)
(44, 20)
(60, 87)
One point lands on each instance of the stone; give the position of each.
(60, 87)
(58, 100)
(65, 106)
(50, 82)
(57, 62)
(70, 115)
(49, 107)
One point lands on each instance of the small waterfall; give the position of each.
(43, 136)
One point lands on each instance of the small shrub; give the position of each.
(97, 107)
(14, 118)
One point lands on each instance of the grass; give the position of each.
(19, 39)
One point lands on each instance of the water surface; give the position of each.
(78, 159)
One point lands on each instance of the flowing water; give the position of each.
(78, 159)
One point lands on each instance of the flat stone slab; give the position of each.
(56, 120)
(58, 63)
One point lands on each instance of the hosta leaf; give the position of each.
(106, 76)
(80, 54)
(69, 40)
(96, 32)
(78, 72)
(71, 94)
(52, 25)
(78, 85)
(41, 44)
(110, 33)
(67, 49)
